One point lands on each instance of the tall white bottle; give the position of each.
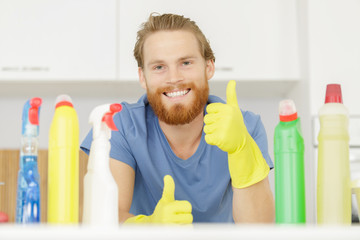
(333, 178)
(100, 188)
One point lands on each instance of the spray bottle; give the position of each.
(289, 166)
(63, 165)
(100, 189)
(28, 187)
(333, 172)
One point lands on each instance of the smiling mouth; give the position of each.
(178, 93)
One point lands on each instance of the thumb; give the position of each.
(169, 189)
(231, 98)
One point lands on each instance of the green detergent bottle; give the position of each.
(289, 167)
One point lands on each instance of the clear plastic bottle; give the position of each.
(289, 166)
(28, 188)
(333, 172)
(100, 189)
(63, 165)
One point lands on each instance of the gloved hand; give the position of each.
(225, 128)
(168, 210)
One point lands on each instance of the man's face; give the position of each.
(175, 76)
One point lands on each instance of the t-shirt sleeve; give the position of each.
(258, 133)
(86, 143)
(120, 149)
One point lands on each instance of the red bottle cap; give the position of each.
(333, 93)
(3, 217)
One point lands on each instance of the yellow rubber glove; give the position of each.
(225, 128)
(168, 210)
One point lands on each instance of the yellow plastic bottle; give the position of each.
(333, 178)
(63, 164)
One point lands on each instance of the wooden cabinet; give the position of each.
(92, 41)
(57, 40)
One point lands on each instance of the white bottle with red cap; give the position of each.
(100, 188)
(333, 172)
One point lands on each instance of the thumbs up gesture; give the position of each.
(169, 210)
(225, 128)
(224, 124)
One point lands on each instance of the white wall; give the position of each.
(334, 51)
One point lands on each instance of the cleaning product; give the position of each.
(63, 165)
(28, 185)
(333, 172)
(355, 187)
(4, 218)
(100, 189)
(289, 166)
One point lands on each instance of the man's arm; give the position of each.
(254, 204)
(225, 128)
(124, 176)
(167, 210)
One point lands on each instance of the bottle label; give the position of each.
(28, 158)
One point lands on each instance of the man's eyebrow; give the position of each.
(158, 61)
(187, 57)
(155, 61)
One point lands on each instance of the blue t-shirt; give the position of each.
(203, 179)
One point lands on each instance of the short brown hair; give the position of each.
(158, 22)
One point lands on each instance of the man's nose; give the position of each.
(175, 75)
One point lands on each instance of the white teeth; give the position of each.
(177, 93)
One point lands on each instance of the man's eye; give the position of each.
(186, 63)
(158, 67)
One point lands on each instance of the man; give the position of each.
(169, 166)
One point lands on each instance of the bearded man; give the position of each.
(180, 155)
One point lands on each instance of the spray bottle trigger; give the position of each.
(108, 117)
(35, 104)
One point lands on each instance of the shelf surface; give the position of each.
(196, 231)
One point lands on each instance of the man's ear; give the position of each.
(210, 69)
(142, 78)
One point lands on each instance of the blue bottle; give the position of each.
(28, 188)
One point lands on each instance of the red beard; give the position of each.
(179, 114)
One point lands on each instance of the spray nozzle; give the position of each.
(35, 104)
(30, 117)
(101, 118)
(108, 117)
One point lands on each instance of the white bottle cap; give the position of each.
(287, 110)
(62, 100)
